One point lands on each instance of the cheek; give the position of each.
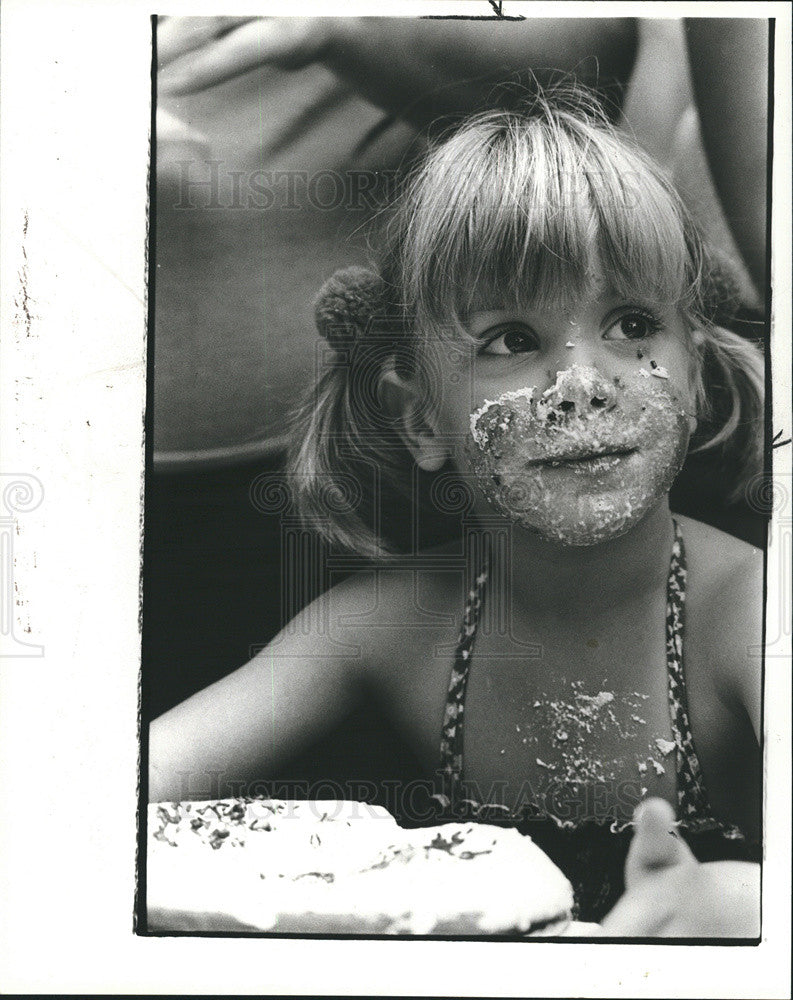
(679, 364)
(454, 423)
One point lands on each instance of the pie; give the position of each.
(343, 867)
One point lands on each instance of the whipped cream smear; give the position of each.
(583, 461)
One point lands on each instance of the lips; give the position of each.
(581, 456)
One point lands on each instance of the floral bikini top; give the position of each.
(592, 853)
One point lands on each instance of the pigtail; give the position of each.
(730, 371)
(322, 491)
(731, 406)
(344, 445)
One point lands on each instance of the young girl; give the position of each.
(540, 335)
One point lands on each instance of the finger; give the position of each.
(176, 36)
(270, 41)
(656, 843)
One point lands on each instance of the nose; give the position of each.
(581, 390)
(583, 353)
(576, 350)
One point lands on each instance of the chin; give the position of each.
(583, 532)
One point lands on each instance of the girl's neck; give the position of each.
(569, 580)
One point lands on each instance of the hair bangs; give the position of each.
(646, 241)
(522, 212)
(501, 222)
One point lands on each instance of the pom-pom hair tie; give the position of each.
(348, 304)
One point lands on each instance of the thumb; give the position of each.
(656, 843)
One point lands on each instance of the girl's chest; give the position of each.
(569, 731)
(570, 724)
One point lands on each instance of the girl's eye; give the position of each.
(635, 325)
(514, 338)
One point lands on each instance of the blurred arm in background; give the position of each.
(419, 68)
(729, 71)
(423, 69)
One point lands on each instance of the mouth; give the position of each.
(601, 458)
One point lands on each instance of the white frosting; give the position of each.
(529, 455)
(363, 875)
(526, 394)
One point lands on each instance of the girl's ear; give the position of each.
(416, 428)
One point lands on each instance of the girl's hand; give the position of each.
(670, 894)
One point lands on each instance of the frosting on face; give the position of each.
(583, 461)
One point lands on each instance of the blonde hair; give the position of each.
(520, 209)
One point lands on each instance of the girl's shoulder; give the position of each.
(393, 609)
(724, 616)
(393, 588)
(403, 618)
(722, 566)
